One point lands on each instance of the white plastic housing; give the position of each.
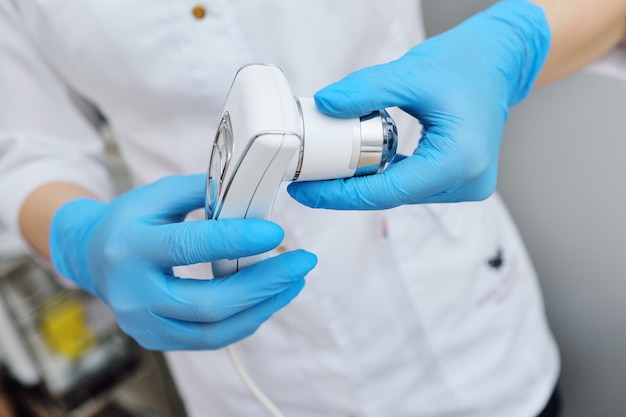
(265, 130)
(331, 145)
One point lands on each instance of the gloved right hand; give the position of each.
(124, 251)
(459, 85)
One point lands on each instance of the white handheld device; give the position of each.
(267, 135)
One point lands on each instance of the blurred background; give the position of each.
(560, 173)
(61, 351)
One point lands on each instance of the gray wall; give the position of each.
(562, 174)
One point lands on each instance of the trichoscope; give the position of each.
(267, 135)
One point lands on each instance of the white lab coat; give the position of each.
(409, 312)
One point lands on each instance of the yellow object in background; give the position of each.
(65, 330)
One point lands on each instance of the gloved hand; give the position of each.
(459, 85)
(124, 251)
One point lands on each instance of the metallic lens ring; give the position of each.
(379, 140)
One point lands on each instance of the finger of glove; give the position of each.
(412, 180)
(200, 241)
(217, 299)
(369, 89)
(168, 334)
(167, 200)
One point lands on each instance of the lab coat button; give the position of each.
(199, 12)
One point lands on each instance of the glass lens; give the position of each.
(220, 158)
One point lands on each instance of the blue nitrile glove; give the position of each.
(124, 251)
(459, 85)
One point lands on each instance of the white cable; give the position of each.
(254, 389)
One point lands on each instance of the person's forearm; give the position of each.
(582, 31)
(39, 208)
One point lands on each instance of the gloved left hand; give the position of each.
(459, 85)
(123, 251)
